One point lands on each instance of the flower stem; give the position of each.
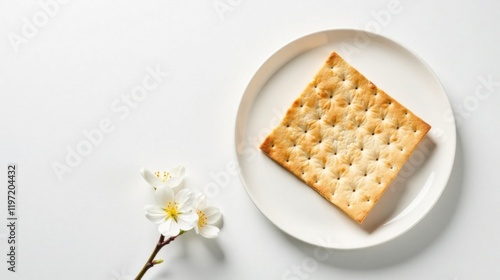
(150, 263)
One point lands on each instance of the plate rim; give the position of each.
(282, 48)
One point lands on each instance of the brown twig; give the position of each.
(150, 263)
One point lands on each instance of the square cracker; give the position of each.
(345, 138)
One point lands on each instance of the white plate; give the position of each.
(300, 211)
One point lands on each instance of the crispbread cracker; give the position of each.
(345, 138)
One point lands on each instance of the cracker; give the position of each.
(345, 138)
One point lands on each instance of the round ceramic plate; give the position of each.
(297, 209)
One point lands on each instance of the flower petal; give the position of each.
(150, 177)
(200, 201)
(173, 183)
(176, 182)
(213, 214)
(209, 231)
(169, 228)
(154, 213)
(187, 221)
(178, 171)
(163, 195)
(185, 199)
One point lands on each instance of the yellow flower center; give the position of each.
(163, 176)
(172, 210)
(202, 219)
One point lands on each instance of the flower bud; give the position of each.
(155, 262)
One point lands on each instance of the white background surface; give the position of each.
(76, 69)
